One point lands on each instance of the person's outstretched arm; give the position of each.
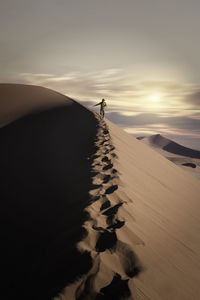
(97, 104)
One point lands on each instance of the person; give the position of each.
(102, 107)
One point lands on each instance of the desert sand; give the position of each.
(188, 159)
(19, 100)
(89, 212)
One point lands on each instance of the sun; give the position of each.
(155, 98)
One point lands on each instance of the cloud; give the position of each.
(124, 94)
(164, 85)
(84, 86)
(194, 99)
(130, 105)
(87, 103)
(153, 119)
(116, 85)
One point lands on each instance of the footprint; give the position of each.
(112, 148)
(128, 259)
(113, 210)
(117, 289)
(106, 178)
(86, 289)
(106, 240)
(106, 151)
(97, 164)
(105, 205)
(114, 155)
(108, 167)
(98, 228)
(116, 225)
(103, 142)
(111, 189)
(105, 159)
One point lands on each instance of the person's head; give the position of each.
(103, 100)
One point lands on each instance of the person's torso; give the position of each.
(103, 104)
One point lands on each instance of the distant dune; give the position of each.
(187, 158)
(159, 141)
(88, 211)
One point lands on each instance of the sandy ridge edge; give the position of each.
(114, 262)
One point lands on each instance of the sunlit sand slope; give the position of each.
(164, 215)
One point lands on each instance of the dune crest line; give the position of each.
(114, 262)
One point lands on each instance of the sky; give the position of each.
(142, 56)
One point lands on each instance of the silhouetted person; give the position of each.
(102, 107)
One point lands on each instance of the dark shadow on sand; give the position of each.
(118, 289)
(45, 179)
(191, 165)
(181, 150)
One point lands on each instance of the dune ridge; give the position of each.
(18, 100)
(159, 141)
(114, 261)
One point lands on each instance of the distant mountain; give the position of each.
(159, 141)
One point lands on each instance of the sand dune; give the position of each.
(144, 234)
(18, 100)
(165, 201)
(158, 141)
(45, 183)
(188, 159)
(89, 212)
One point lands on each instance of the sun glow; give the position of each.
(154, 101)
(155, 98)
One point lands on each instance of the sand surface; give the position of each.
(186, 158)
(143, 231)
(18, 100)
(165, 205)
(45, 182)
(89, 212)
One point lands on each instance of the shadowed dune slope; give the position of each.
(164, 215)
(181, 150)
(45, 179)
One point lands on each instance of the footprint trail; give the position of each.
(104, 281)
